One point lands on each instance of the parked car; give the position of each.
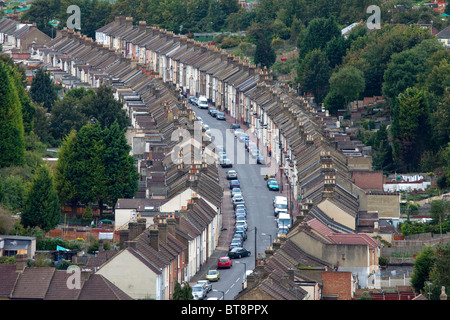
(232, 175)
(240, 228)
(233, 245)
(237, 198)
(240, 212)
(238, 252)
(242, 223)
(207, 283)
(237, 242)
(224, 262)
(241, 206)
(211, 110)
(234, 184)
(193, 100)
(260, 159)
(199, 291)
(239, 236)
(242, 137)
(213, 275)
(235, 191)
(250, 145)
(243, 232)
(272, 184)
(235, 126)
(235, 204)
(220, 116)
(254, 153)
(238, 131)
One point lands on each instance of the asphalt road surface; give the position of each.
(258, 198)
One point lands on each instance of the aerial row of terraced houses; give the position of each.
(339, 201)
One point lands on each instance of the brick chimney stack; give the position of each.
(21, 262)
(124, 236)
(154, 237)
(163, 229)
(171, 224)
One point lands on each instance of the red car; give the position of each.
(224, 262)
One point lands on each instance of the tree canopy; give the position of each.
(12, 143)
(41, 207)
(95, 166)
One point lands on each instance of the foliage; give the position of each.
(41, 206)
(430, 271)
(260, 35)
(12, 143)
(43, 90)
(410, 127)
(318, 33)
(94, 165)
(422, 267)
(182, 292)
(348, 82)
(314, 73)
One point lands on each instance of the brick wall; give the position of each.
(337, 283)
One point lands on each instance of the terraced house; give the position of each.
(148, 68)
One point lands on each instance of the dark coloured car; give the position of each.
(235, 126)
(260, 159)
(193, 100)
(238, 252)
(234, 184)
(220, 116)
(211, 110)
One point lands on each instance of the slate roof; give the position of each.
(46, 283)
(8, 278)
(444, 34)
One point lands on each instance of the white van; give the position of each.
(280, 205)
(284, 221)
(202, 102)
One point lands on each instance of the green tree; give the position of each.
(314, 73)
(422, 268)
(120, 173)
(43, 89)
(182, 292)
(94, 166)
(403, 70)
(12, 143)
(41, 207)
(318, 33)
(348, 82)
(439, 211)
(66, 116)
(104, 108)
(410, 128)
(67, 192)
(261, 36)
(333, 102)
(439, 275)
